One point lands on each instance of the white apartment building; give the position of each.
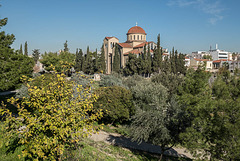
(199, 54)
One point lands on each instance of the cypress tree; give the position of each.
(66, 49)
(26, 49)
(157, 57)
(78, 60)
(36, 55)
(149, 62)
(116, 60)
(21, 50)
(96, 61)
(102, 63)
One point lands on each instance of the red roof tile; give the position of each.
(134, 51)
(202, 59)
(136, 30)
(125, 45)
(110, 37)
(141, 45)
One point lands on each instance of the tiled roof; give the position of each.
(136, 30)
(110, 37)
(202, 59)
(141, 45)
(218, 61)
(186, 57)
(125, 45)
(134, 51)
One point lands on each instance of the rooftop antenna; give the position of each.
(210, 47)
(136, 23)
(216, 46)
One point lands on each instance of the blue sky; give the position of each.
(188, 25)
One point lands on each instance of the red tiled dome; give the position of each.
(136, 30)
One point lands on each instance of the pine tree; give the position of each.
(66, 47)
(21, 50)
(26, 49)
(116, 60)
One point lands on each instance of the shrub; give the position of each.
(116, 103)
(110, 80)
(132, 81)
(50, 119)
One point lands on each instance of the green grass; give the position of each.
(5, 154)
(90, 150)
(120, 129)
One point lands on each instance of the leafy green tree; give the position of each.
(51, 119)
(131, 65)
(116, 60)
(66, 49)
(62, 62)
(116, 103)
(36, 55)
(26, 49)
(157, 120)
(21, 50)
(214, 131)
(169, 80)
(209, 57)
(12, 65)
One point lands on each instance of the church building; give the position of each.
(136, 40)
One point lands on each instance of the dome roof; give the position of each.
(136, 30)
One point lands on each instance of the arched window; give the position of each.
(138, 37)
(131, 37)
(141, 37)
(134, 37)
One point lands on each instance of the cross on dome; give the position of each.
(136, 23)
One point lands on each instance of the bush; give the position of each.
(110, 80)
(50, 119)
(132, 81)
(116, 103)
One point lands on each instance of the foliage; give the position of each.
(36, 55)
(21, 50)
(132, 81)
(79, 60)
(116, 103)
(157, 57)
(169, 80)
(62, 62)
(50, 119)
(214, 131)
(110, 80)
(66, 49)
(116, 60)
(209, 57)
(26, 49)
(12, 65)
(133, 65)
(102, 63)
(157, 120)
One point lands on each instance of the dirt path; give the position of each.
(119, 140)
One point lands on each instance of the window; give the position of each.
(138, 37)
(131, 37)
(134, 37)
(141, 37)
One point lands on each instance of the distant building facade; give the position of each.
(136, 40)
